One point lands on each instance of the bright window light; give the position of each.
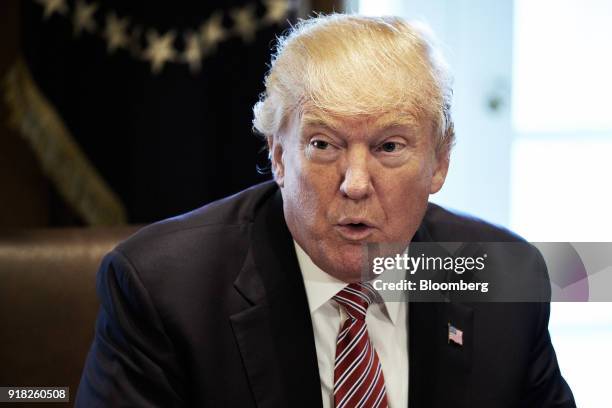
(561, 189)
(560, 162)
(378, 7)
(562, 65)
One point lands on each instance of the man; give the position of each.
(260, 300)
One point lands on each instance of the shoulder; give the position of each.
(203, 246)
(444, 225)
(219, 219)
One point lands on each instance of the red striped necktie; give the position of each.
(358, 376)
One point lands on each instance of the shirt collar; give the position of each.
(321, 286)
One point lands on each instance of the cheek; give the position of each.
(404, 199)
(313, 190)
(409, 183)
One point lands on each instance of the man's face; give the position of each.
(350, 181)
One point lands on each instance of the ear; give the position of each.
(275, 149)
(442, 160)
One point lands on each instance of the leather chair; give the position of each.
(48, 303)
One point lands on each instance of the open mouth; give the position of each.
(354, 231)
(357, 226)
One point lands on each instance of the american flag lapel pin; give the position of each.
(455, 335)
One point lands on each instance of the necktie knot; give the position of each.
(356, 298)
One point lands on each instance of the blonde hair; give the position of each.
(354, 65)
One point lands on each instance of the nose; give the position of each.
(357, 183)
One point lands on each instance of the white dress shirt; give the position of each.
(387, 326)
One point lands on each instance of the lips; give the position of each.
(354, 229)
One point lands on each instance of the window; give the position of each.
(561, 167)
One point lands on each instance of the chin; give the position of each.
(346, 262)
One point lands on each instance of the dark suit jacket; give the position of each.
(209, 309)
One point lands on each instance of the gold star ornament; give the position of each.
(115, 32)
(276, 11)
(212, 32)
(52, 7)
(83, 17)
(245, 24)
(160, 49)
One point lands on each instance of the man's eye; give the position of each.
(388, 147)
(319, 144)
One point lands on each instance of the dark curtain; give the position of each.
(170, 137)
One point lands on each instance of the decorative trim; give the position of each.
(75, 178)
(121, 32)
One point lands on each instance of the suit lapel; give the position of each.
(275, 334)
(439, 370)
